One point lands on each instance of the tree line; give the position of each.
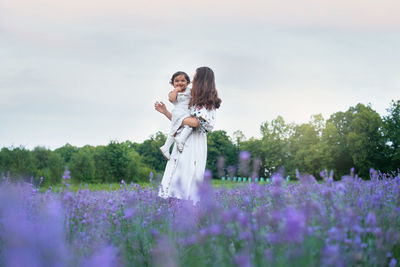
(358, 137)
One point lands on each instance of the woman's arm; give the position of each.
(160, 107)
(191, 121)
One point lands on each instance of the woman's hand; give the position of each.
(160, 107)
(191, 121)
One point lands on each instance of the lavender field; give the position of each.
(351, 222)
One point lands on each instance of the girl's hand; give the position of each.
(179, 89)
(160, 107)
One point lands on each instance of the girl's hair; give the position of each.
(177, 74)
(204, 92)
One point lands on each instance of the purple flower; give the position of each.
(163, 253)
(352, 172)
(154, 232)
(273, 238)
(243, 259)
(373, 174)
(245, 235)
(220, 166)
(208, 174)
(243, 220)
(49, 229)
(335, 234)
(244, 155)
(129, 212)
(105, 257)
(244, 158)
(68, 196)
(295, 225)
(31, 237)
(256, 168)
(371, 219)
(226, 216)
(191, 240)
(66, 175)
(231, 170)
(305, 178)
(331, 256)
(215, 229)
(277, 179)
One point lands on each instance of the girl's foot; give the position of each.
(165, 152)
(181, 138)
(179, 144)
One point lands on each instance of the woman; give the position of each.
(184, 172)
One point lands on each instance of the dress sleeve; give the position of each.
(206, 118)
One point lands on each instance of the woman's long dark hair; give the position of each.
(204, 93)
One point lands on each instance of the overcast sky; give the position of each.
(87, 72)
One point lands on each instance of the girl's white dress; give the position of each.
(184, 172)
(180, 110)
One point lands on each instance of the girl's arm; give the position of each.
(173, 94)
(191, 121)
(160, 107)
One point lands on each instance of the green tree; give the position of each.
(83, 166)
(333, 151)
(120, 161)
(149, 150)
(238, 137)
(304, 149)
(360, 140)
(273, 149)
(66, 152)
(392, 134)
(19, 162)
(336, 146)
(49, 165)
(112, 162)
(137, 170)
(365, 139)
(102, 165)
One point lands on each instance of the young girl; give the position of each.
(180, 97)
(184, 172)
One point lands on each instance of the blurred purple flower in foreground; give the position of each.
(346, 223)
(295, 225)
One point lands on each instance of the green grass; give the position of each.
(117, 186)
(92, 187)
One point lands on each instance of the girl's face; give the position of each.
(180, 82)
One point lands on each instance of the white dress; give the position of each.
(184, 172)
(180, 110)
